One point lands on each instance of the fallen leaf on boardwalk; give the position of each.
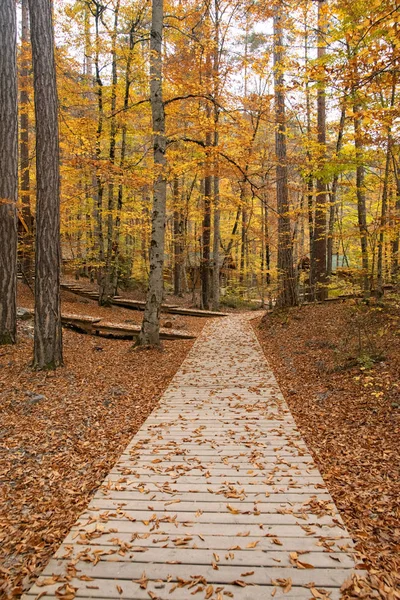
(240, 583)
(66, 592)
(252, 544)
(276, 541)
(247, 574)
(120, 590)
(232, 510)
(143, 581)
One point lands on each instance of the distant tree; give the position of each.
(47, 333)
(8, 171)
(150, 331)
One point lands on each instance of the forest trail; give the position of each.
(215, 496)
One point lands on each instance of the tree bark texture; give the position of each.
(8, 171)
(287, 285)
(47, 333)
(26, 218)
(150, 331)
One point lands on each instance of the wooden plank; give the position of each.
(225, 574)
(205, 556)
(200, 556)
(123, 589)
(215, 543)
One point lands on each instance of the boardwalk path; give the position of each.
(216, 495)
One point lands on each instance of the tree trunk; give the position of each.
(9, 171)
(98, 204)
(396, 241)
(150, 331)
(287, 285)
(178, 249)
(26, 219)
(332, 207)
(318, 264)
(216, 242)
(217, 212)
(205, 263)
(47, 333)
(107, 285)
(361, 203)
(381, 239)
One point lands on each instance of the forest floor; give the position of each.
(62, 431)
(338, 366)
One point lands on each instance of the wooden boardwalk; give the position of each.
(216, 496)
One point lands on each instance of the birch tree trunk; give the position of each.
(8, 171)
(287, 285)
(47, 334)
(150, 331)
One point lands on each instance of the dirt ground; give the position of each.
(62, 431)
(338, 366)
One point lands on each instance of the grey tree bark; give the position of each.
(47, 353)
(287, 284)
(150, 330)
(8, 171)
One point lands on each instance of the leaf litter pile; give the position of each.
(62, 431)
(338, 367)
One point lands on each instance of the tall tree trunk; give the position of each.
(381, 237)
(47, 333)
(309, 179)
(8, 171)
(287, 285)
(396, 241)
(26, 219)
(217, 212)
(120, 200)
(98, 205)
(318, 264)
(205, 263)
(361, 202)
(106, 288)
(177, 244)
(333, 194)
(150, 331)
(385, 195)
(216, 238)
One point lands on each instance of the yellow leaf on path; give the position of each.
(252, 544)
